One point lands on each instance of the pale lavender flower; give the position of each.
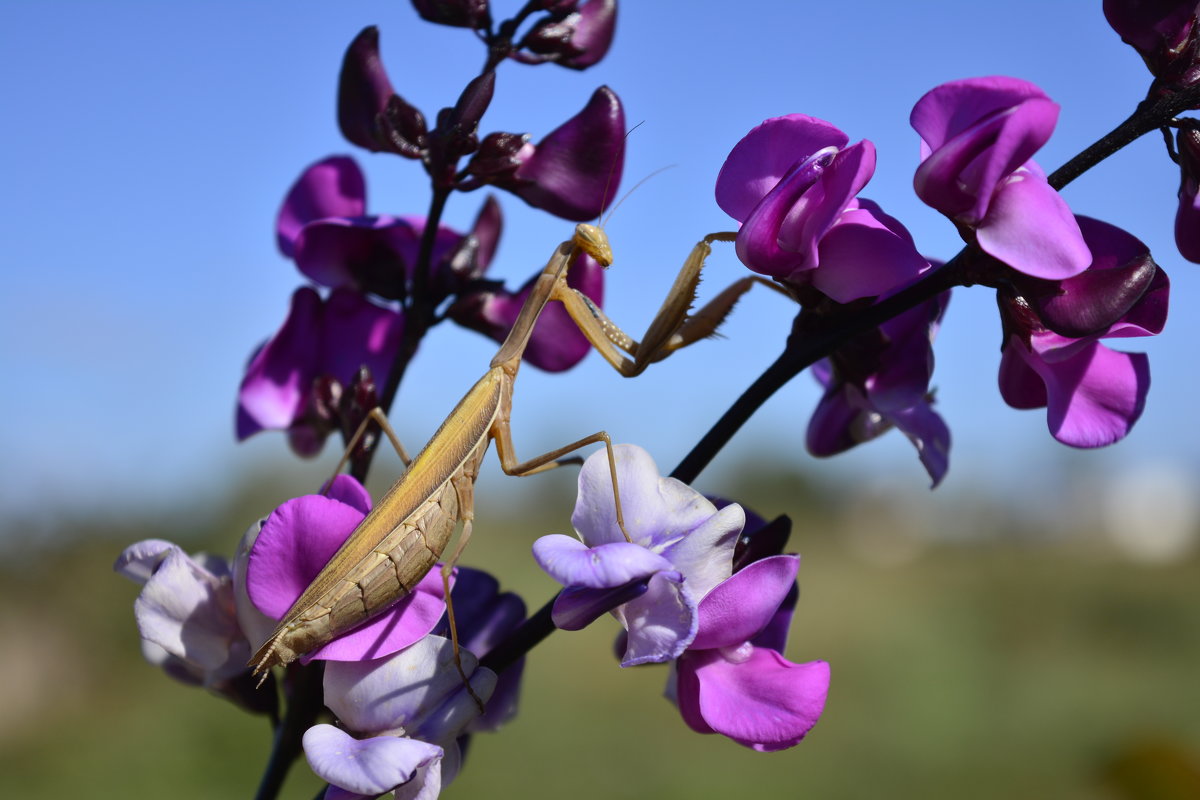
(681, 547)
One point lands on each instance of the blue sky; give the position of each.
(147, 147)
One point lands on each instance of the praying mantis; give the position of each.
(403, 536)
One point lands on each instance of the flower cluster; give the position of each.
(674, 589)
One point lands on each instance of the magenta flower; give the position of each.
(295, 543)
(733, 678)
(1164, 32)
(320, 338)
(682, 547)
(880, 380)
(1052, 357)
(792, 182)
(977, 138)
(324, 228)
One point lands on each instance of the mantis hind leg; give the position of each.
(464, 487)
(377, 416)
(502, 433)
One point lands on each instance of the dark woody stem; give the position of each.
(303, 708)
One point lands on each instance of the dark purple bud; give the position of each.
(356, 404)
(458, 13)
(1164, 32)
(402, 128)
(326, 399)
(499, 155)
(1092, 301)
(370, 113)
(574, 172)
(474, 100)
(577, 39)
(457, 128)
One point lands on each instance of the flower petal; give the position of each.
(661, 623)
(366, 766)
(765, 155)
(861, 256)
(572, 563)
(333, 187)
(762, 700)
(1030, 227)
(741, 607)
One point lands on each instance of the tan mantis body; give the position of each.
(407, 532)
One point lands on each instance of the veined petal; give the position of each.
(762, 700)
(366, 766)
(1030, 227)
(661, 623)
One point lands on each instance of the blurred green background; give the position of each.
(1006, 663)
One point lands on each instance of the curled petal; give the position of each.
(574, 172)
(757, 698)
(365, 766)
(765, 155)
(705, 555)
(929, 433)
(741, 607)
(138, 561)
(272, 394)
(606, 566)
(974, 132)
(331, 188)
(1094, 396)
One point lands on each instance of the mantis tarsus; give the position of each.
(407, 532)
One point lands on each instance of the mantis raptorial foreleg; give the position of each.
(672, 327)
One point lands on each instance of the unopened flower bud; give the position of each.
(576, 35)
(1164, 32)
(370, 113)
(458, 13)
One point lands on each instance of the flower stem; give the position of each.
(303, 708)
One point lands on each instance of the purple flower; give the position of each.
(1093, 394)
(330, 338)
(792, 182)
(977, 137)
(400, 719)
(733, 678)
(576, 35)
(880, 380)
(324, 228)
(457, 13)
(295, 543)
(681, 547)
(573, 173)
(1164, 34)
(1187, 218)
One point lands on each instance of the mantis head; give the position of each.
(593, 241)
